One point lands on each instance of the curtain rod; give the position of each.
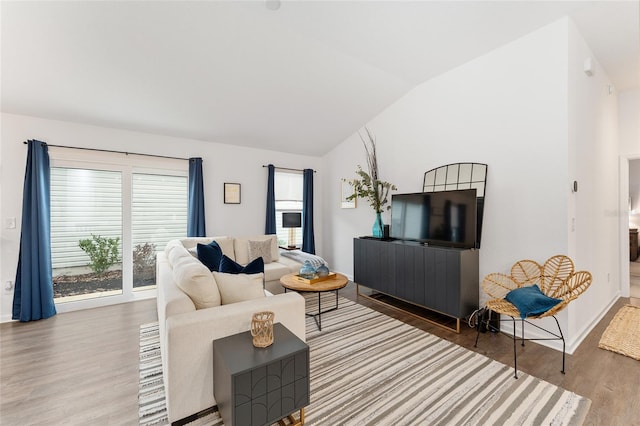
(287, 168)
(115, 152)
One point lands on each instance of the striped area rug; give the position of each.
(370, 369)
(152, 409)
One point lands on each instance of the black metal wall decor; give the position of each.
(460, 176)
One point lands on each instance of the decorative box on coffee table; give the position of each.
(259, 386)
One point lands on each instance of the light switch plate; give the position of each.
(10, 223)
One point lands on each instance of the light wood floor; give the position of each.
(81, 368)
(76, 368)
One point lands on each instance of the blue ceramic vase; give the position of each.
(378, 226)
(307, 270)
(322, 270)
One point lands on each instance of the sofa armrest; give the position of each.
(188, 366)
(171, 300)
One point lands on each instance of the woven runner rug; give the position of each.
(370, 369)
(623, 333)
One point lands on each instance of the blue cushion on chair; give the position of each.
(228, 266)
(530, 301)
(210, 255)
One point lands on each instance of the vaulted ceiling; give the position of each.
(298, 79)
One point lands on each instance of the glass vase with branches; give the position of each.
(369, 186)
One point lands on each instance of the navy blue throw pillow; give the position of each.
(256, 266)
(228, 266)
(210, 255)
(530, 301)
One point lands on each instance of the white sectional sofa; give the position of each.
(189, 321)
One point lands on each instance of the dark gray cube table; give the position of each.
(259, 386)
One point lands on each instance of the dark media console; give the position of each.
(441, 279)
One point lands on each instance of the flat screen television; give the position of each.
(446, 218)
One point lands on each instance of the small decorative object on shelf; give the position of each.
(262, 329)
(370, 187)
(322, 271)
(307, 270)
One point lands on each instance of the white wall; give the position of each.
(506, 109)
(221, 163)
(593, 163)
(511, 110)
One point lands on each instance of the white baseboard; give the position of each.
(585, 332)
(5, 318)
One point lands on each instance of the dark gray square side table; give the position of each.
(259, 386)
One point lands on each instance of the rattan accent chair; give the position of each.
(556, 278)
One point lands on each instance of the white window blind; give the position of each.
(158, 209)
(83, 202)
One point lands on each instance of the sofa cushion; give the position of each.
(192, 242)
(261, 249)
(173, 250)
(239, 287)
(241, 247)
(195, 279)
(210, 255)
(275, 270)
(225, 243)
(171, 300)
(228, 266)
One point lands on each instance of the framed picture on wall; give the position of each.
(231, 193)
(346, 190)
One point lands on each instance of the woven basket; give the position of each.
(262, 329)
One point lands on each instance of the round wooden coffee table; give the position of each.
(335, 283)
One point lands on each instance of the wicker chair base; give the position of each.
(513, 319)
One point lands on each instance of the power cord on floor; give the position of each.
(473, 318)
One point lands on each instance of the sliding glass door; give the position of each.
(108, 222)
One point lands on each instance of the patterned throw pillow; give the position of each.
(260, 249)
